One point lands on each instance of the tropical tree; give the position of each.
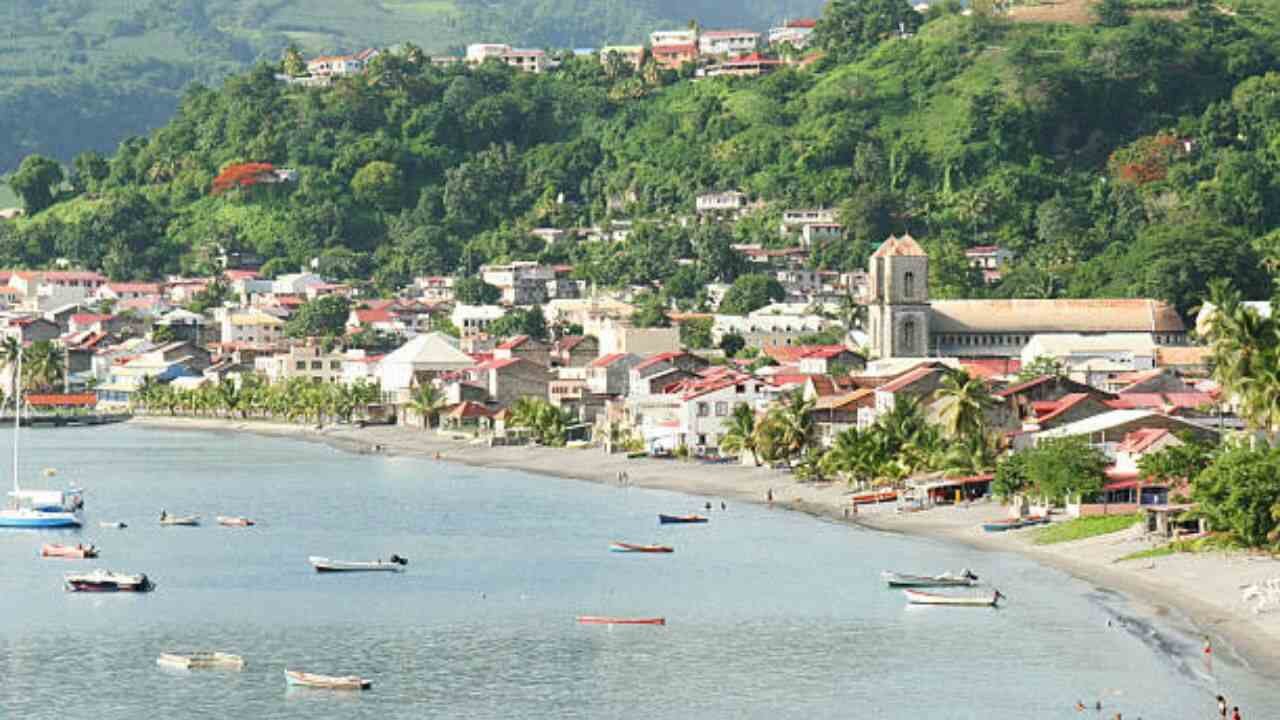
(795, 426)
(10, 349)
(740, 435)
(42, 366)
(427, 401)
(965, 401)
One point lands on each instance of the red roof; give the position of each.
(675, 50)
(606, 360)
(1139, 441)
(467, 409)
(802, 23)
(497, 364)
(791, 354)
(241, 274)
(785, 379)
(88, 318)
(982, 250)
(752, 59)
(660, 357)
(1015, 389)
(62, 275)
(60, 400)
(1066, 403)
(1133, 401)
(987, 368)
(368, 317)
(904, 381)
(140, 288)
(512, 343)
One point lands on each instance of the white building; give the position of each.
(522, 282)
(252, 326)
(659, 38)
(728, 42)
(430, 353)
(309, 362)
(475, 319)
(731, 201)
(1091, 359)
(295, 283)
(793, 32)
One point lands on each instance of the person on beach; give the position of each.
(1235, 713)
(723, 507)
(769, 496)
(708, 506)
(1222, 707)
(163, 515)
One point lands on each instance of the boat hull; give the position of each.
(897, 580)
(68, 552)
(681, 519)
(1002, 525)
(922, 598)
(621, 547)
(295, 678)
(598, 620)
(325, 565)
(29, 519)
(201, 661)
(108, 586)
(235, 521)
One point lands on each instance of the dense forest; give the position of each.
(85, 74)
(1135, 158)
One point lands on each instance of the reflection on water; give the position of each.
(770, 614)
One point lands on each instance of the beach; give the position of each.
(1203, 590)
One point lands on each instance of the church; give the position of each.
(904, 323)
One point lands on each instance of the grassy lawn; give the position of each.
(1155, 552)
(1082, 528)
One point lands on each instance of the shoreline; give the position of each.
(1204, 589)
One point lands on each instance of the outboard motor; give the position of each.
(969, 574)
(399, 560)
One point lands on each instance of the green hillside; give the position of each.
(1118, 161)
(78, 74)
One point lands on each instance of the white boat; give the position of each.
(29, 509)
(966, 578)
(107, 581)
(234, 521)
(201, 661)
(915, 597)
(324, 564)
(297, 678)
(112, 525)
(167, 519)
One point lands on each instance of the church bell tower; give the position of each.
(898, 317)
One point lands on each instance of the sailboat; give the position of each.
(18, 515)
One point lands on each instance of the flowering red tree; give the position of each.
(241, 175)
(1147, 160)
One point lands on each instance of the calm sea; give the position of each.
(770, 614)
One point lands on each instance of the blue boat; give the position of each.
(26, 518)
(1002, 525)
(680, 519)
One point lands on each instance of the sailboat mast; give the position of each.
(17, 416)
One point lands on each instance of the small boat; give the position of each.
(235, 521)
(875, 497)
(680, 519)
(79, 551)
(113, 525)
(107, 581)
(201, 661)
(597, 620)
(1035, 520)
(297, 678)
(323, 564)
(621, 547)
(1002, 525)
(915, 597)
(946, 579)
(188, 520)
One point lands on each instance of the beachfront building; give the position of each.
(161, 364)
(308, 362)
(428, 355)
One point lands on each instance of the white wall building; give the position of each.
(728, 42)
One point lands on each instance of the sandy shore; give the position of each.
(1203, 589)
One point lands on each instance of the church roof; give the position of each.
(1053, 316)
(900, 246)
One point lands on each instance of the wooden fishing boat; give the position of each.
(1002, 525)
(112, 525)
(915, 597)
(79, 551)
(234, 521)
(597, 620)
(297, 678)
(107, 581)
(187, 520)
(323, 564)
(680, 519)
(870, 498)
(621, 547)
(946, 579)
(201, 661)
(1035, 520)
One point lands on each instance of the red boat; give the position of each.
(595, 620)
(628, 547)
(79, 551)
(875, 497)
(680, 519)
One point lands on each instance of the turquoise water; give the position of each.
(770, 614)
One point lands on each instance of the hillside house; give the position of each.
(575, 350)
(632, 55)
(474, 320)
(795, 33)
(990, 260)
(524, 347)
(253, 326)
(730, 201)
(328, 66)
(728, 43)
(752, 65)
(611, 374)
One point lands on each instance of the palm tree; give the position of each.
(856, 455)
(43, 366)
(741, 433)
(966, 402)
(974, 455)
(10, 348)
(795, 424)
(427, 401)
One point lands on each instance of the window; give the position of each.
(317, 365)
(335, 364)
(722, 408)
(302, 365)
(909, 336)
(739, 389)
(703, 409)
(908, 284)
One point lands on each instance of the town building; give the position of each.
(728, 43)
(673, 37)
(251, 325)
(532, 61)
(632, 55)
(752, 65)
(308, 362)
(721, 202)
(990, 260)
(435, 288)
(796, 33)
(428, 355)
(673, 57)
(328, 66)
(523, 282)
